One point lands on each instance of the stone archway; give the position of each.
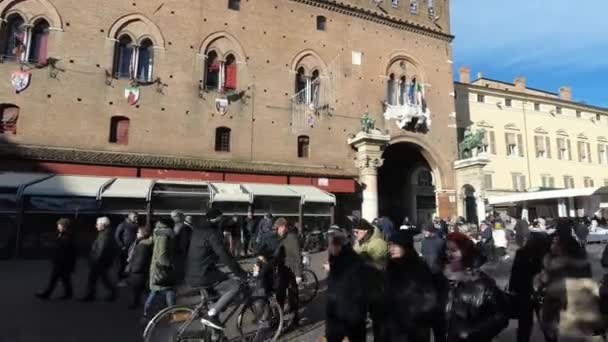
(406, 158)
(407, 184)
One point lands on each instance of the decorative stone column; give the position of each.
(572, 207)
(369, 148)
(470, 172)
(562, 208)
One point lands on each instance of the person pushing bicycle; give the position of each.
(206, 249)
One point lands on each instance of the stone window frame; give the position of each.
(398, 77)
(303, 146)
(228, 49)
(223, 139)
(118, 123)
(142, 32)
(308, 90)
(8, 124)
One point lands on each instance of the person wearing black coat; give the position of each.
(138, 268)
(527, 264)
(100, 261)
(125, 236)
(348, 289)
(433, 249)
(412, 299)
(248, 228)
(64, 261)
(205, 251)
(475, 309)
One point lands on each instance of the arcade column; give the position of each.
(369, 148)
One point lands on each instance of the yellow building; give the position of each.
(533, 139)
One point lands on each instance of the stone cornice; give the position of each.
(377, 17)
(517, 95)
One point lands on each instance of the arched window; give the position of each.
(402, 91)
(301, 84)
(9, 114)
(222, 139)
(425, 178)
(145, 60)
(212, 79)
(321, 23)
(37, 51)
(303, 146)
(390, 90)
(230, 72)
(315, 85)
(14, 37)
(134, 61)
(123, 56)
(119, 130)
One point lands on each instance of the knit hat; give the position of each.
(364, 225)
(403, 238)
(214, 214)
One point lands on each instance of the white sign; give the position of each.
(323, 182)
(357, 57)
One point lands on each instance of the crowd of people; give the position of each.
(410, 282)
(182, 252)
(439, 288)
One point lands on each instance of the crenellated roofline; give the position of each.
(377, 17)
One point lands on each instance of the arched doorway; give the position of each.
(470, 203)
(406, 185)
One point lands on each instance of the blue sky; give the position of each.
(550, 42)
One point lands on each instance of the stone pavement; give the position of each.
(24, 318)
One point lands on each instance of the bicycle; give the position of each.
(309, 287)
(181, 323)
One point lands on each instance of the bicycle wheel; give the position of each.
(260, 320)
(309, 286)
(175, 324)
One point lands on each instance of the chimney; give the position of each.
(565, 93)
(479, 75)
(464, 74)
(520, 83)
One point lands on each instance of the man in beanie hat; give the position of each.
(206, 247)
(410, 293)
(370, 244)
(348, 289)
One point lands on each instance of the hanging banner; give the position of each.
(132, 94)
(21, 80)
(221, 106)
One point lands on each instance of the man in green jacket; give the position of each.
(370, 244)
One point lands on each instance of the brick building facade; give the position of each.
(228, 90)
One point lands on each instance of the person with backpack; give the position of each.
(566, 274)
(162, 266)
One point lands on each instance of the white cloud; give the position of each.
(531, 34)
